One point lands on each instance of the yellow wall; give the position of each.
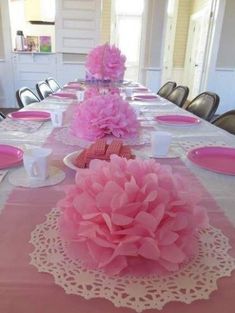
(198, 5)
(106, 21)
(181, 34)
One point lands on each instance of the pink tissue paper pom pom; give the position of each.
(104, 115)
(105, 62)
(131, 217)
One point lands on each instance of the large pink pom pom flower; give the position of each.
(106, 62)
(102, 115)
(132, 216)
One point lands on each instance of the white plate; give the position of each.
(70, 159)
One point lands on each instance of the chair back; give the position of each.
(43, 90)
(226, 121)
(166, 89)
(204, 105)
(179, 95)
(2, 116)
(25, 96)
(52, 83)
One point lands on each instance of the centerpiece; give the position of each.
(131, 216)
(105, 63)
(103, 115)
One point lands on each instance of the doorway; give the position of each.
(196, 51)
(126, 33)
(193, 61)
(170, 30)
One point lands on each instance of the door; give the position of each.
(172, 12)
(77, 25)
(196, 51)
(7, 88)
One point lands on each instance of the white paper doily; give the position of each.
(20, 178)
(193, 142)
(63, 135)
(195, 281)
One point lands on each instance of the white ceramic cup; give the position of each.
(160, 143)
(137, 112)
(57, 118)
(36, 163)
(128, 92)
(80, 95)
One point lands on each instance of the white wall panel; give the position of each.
(77, 25)
(79, 5)
(223, 84)
(152, 78)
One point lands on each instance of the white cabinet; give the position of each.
(39, 10)
(77, 25)
(29, 68)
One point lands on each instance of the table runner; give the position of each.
(26, 290)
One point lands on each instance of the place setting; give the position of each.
(30, 167)
(38, 116)
(34, 119)
(218, 159)
(36, 170)
(145, 97)
(11, 156)
(177, 120)
(25, 121)
(64, 94)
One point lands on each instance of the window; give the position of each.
(127, 33)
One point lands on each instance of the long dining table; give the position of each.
(24, 288)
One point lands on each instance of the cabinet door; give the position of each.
(77, 25)
(32, 10)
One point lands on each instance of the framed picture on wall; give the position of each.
(45, 43)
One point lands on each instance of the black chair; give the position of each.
(25, 96)
(43, 90)
(179, 95)
(204, 105)
(53, 84)
(166, 89)
(2, 116)
(226, 121)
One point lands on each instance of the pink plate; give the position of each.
(73, 87)
(177, 120)
(216, 159)
(65, 95)
(30, 115)
(10, 156)
(75, 83)
(145, 97)
(140, 89)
